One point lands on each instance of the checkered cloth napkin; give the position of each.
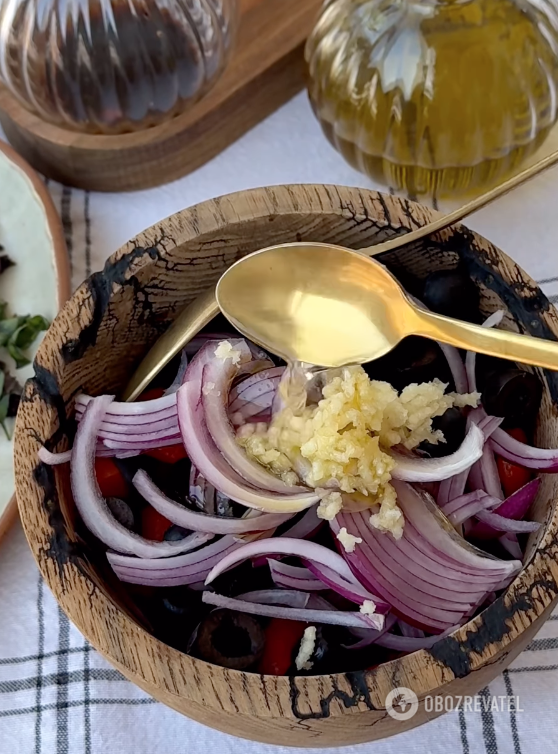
(57, 695)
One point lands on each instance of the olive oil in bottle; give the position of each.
(435, 97)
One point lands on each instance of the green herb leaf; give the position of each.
(23, 337)
(8, 327)
(4, 405)
(3, 306)
(2, 381)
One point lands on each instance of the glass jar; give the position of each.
(113, 66)
(435, 97)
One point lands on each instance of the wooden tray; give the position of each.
(266, 70)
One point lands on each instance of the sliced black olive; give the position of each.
(230, 639)
(178, 600)
(243, 578)
(514, 394)
(175, 533)
(453, 425)
(122, 512)
(415, 359)
(453, 293)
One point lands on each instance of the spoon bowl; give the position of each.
(314, 302)
(331, 306)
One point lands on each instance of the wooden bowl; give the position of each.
(94, 345)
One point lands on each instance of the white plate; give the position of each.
(31, 234)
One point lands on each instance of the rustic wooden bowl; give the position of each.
(100, 336)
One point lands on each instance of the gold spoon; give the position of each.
(203, 309)
(327, 305)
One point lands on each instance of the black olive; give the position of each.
(122, 512)
(175, 533)
(230, 639)
(513, 394)
(175, 613)
(453, 425)
(415, 359)
(234, 582)
(408, 281)
(452, 293)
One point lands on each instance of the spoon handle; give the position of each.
(501, 343)
(444, 221)
(188, 324)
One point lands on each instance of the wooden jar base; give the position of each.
(266, 70)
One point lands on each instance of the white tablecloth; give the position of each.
(57, 695)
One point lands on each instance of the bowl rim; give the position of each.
(473, 646)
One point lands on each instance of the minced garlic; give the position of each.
(330, 505)
(368, 607)
(226, 351)
(306, 650)
(349, 541)
(340, 444)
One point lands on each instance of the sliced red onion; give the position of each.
(92, 506)
(457, 368)
(308, 551)
(418, 550)
(415, 469)
(411, 643)
(410, 631)
(484, 475)
(509, 542)
(253, 397)
(117, 431)
(452, 488)
(541, 459)
(179, 570)
(141, 408)
(197, 343)
(350, 589)
(136, 421)
(471, 357)
(428, 523)
(464, 507)
(431, 602)
(286, 597)
(304, 528)
(179, 378)
(500, 523)
(443, 592)
(54, 459)
(376, 621)
(294, 577)
(514, 507)
(369, 636)
(216, 380)
(117, 439)
(331, 617)
(206, 457)
(202, 522)
(141, 445)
